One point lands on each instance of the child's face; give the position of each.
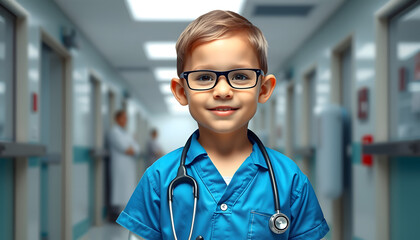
(223, 109)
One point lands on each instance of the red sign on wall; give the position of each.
(417, 67)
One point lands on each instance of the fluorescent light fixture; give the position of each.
(84, 100)
(174, 106)
(414, 87)
(104, 109)
(33, 74)
(2, 88)
(82, 89)
(325, 75)
(407, 49)
(160, 50)
(412, 16)
(165, 89)
(327, 53)
(178, 110)
(170, 100)
(321, 100)
(298, 88)
(281, 109)
(366, 52)
(104, 88)
(179, 10)
(77, 75)
(364, 74)
(33, 52)
(2, 51)
(165, 73)
(323, 88)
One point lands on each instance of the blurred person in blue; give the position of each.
(153, 149)
(123, 151)
(240, 189)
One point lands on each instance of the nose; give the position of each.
(222, 90)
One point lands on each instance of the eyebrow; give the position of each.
(210, 67)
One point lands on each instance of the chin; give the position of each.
(224, 128)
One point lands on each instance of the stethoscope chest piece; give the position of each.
(279, 223)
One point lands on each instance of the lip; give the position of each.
(223, 111)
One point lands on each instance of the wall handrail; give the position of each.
(406, 148)
(99, 153)
(13, 150)
(306, 152)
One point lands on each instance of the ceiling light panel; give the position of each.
(165, 73)
(165, 89)
(180, 10)
(282, 10)
(175, 107)
(160, 50)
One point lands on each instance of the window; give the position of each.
(404, 92)
(7, 62)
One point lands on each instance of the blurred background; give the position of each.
(346, 107)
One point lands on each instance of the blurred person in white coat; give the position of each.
(123, 152)
(153, 149)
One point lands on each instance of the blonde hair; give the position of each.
(214, 25)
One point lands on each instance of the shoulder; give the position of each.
(288, 170)
(166, 165)
(280, 161)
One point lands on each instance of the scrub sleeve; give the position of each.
(307, 219)
(141, 215)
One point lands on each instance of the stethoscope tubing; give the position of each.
(192, 222)
(270, 169)
(182, 177)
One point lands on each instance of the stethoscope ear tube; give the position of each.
(182, 177)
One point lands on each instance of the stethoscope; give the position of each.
(278, 222)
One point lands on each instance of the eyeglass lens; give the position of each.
(241, 78)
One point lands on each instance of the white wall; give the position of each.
(173, 130)
(47, 15)
(356, 19)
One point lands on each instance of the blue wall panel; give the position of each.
(6, 199)
(405, 197)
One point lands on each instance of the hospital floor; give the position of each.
(108, 231)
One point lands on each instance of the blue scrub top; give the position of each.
(249, 199)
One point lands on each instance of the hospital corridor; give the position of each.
(87, 105)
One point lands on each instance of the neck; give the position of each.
(225, 144)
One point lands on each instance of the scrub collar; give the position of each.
(196, 151)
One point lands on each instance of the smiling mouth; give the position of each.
(222, 109)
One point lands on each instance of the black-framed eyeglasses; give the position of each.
(241, 78)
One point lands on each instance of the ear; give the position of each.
(268, 83)
(178, 90)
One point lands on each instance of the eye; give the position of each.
(204, 78)
(240, 76)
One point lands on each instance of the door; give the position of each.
(309, 136)
(404, 114)
(290, 121)
(346, 100)
(51, 102)
(7, 126)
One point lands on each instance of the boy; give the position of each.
(221, 62)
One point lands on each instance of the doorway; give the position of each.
(7, 123)
(290, 120)
(308, 123)
(56, 134)
(342, 92)
(51, 115)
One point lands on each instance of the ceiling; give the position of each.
(108, 25)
